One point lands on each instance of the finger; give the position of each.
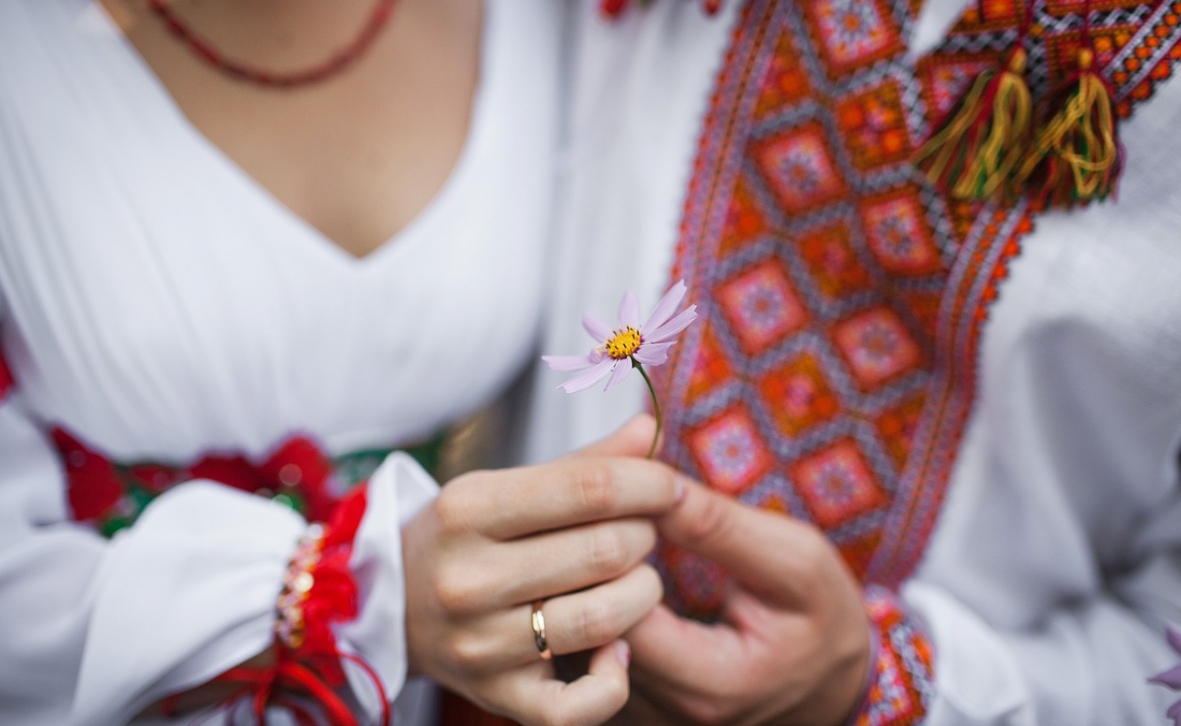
(631, 439)
(572, 623)
(588, 619)
(569, 492)
(589, 700)
(770, 554)
(674, 655)
(566, 560)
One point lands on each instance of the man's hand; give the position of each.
(792, 643)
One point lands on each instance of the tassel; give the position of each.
(1077, 156)
(980, 147)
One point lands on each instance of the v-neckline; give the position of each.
(313, 238)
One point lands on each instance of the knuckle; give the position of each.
(609, 553)
(466, 653)
(453, 509)
(595, 488)
(454, 592)
(596, 624)
(712, 521)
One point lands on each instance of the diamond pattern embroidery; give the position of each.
(800, 169)
(873, 124)
(897, 234)
(799, 396)
(761, 305)
(837, 485)
(834, 372)
(877, 346)
(853, 32)
(730, 452)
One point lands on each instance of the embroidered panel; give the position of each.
(834, 369)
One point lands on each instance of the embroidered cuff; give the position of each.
(901, 678)
(318, 593)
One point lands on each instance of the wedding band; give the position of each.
(538, 620)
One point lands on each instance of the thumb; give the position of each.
(769, 553)
(631, 439)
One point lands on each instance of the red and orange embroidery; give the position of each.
(835, 366)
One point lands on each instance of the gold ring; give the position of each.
(538, 620)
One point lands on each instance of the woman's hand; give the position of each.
(573, 533)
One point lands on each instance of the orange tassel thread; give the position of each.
(979, 150)
(1077, 157)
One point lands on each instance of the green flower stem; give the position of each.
(655, 406)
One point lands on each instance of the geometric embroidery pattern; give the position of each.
(901, 682)
(841, 296)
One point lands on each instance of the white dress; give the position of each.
(1056, 556)
(160, 305)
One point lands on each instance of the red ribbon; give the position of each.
(314, 669)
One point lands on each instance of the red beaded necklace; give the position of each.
(239, 70)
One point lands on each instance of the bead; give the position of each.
(303, 582)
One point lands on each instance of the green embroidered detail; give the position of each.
(348, 471)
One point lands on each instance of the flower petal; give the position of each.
(590, 377)
(672, 327)
(654, 354)
(667, 305)
(629, 310)
(1174, 713)
(1170, 678)
(567, 363)
(1173, 635)
(622, 371)
(597, 329)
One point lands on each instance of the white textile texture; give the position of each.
(1056, 558)
(161, 306)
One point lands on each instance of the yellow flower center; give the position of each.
(623, 344)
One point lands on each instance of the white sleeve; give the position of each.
(93, 631)
(1056, 561)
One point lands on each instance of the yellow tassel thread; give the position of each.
(1077, 148)
(978, 154)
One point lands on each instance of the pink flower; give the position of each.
(631, 345)
(1172, 677)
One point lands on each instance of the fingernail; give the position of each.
(681, 489)
(624, 652)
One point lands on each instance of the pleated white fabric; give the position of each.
(1057, 556)
(160, 305)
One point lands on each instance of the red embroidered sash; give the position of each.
(842, 297)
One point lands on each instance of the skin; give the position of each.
(573, 533)
(357, 156)
(792, 644)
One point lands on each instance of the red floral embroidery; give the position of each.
(111, 496)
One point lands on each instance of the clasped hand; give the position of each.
(791, 646)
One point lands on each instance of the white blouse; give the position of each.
(160, 305)
(1056, 558)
